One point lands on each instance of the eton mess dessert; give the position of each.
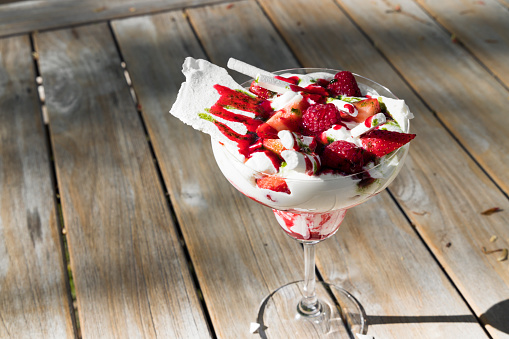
(309, 143)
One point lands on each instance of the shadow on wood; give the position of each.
(402, 319)
(497, 316)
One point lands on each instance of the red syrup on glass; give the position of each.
(310, 226)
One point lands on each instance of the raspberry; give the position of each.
(320, 117)
(344, 83)
(343, 156)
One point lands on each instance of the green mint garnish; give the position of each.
(349, 99)
(383, 108)
(390, 123)
(206, 116)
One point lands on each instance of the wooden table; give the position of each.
(115, 221)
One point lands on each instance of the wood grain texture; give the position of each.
(442, 190)
(482, 26)
(34, 296)
(29, 16)
(238, 251)
(131, 276)
(379, 257)
(470, 102)
(243, 34)
(213, 25)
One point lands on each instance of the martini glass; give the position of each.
(310, 214)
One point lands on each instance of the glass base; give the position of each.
(340, 315)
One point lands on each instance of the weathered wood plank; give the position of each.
(482, 26)
(239, 253)
(131, 276)
(505, 3)
(209, 200)
(34, 297)
(470, 102)
(442, 190)
(29, 16)
(238, 36)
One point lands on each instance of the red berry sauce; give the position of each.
(310, 226)
(238, 100)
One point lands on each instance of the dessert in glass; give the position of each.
(310, 144)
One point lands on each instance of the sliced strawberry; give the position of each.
(260, 91)
(366, 109)
(273, 145)
(316, 89)
(319, 118)
(322, 138)
(266, 131)
(322, 82)
(344, 156)
(273, 183)
(285, 120)
(289, 117)
(344, 83)
(381, 142)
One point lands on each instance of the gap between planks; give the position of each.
(458, 41)
(85, 14)
(406, 216)
(178, 229)
(442, 268)
(490, 177)
(71, 295)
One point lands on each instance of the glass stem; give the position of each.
(309, 305)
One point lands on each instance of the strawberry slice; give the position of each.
(366, 109)
(285, 120)
(266, 131)
(273, 145)
(381, 142)
(289, 117)
(273, 183)
(260, 91)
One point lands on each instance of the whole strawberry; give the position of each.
(344, 83)
(343, 156)
(320, 117)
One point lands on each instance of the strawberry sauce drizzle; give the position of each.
(250, 123)
(309, 165)
(350, 108)
(276, 161)
(244, 141)
(242, 101)
(291, 80)
(368, 121)
(238, 100)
